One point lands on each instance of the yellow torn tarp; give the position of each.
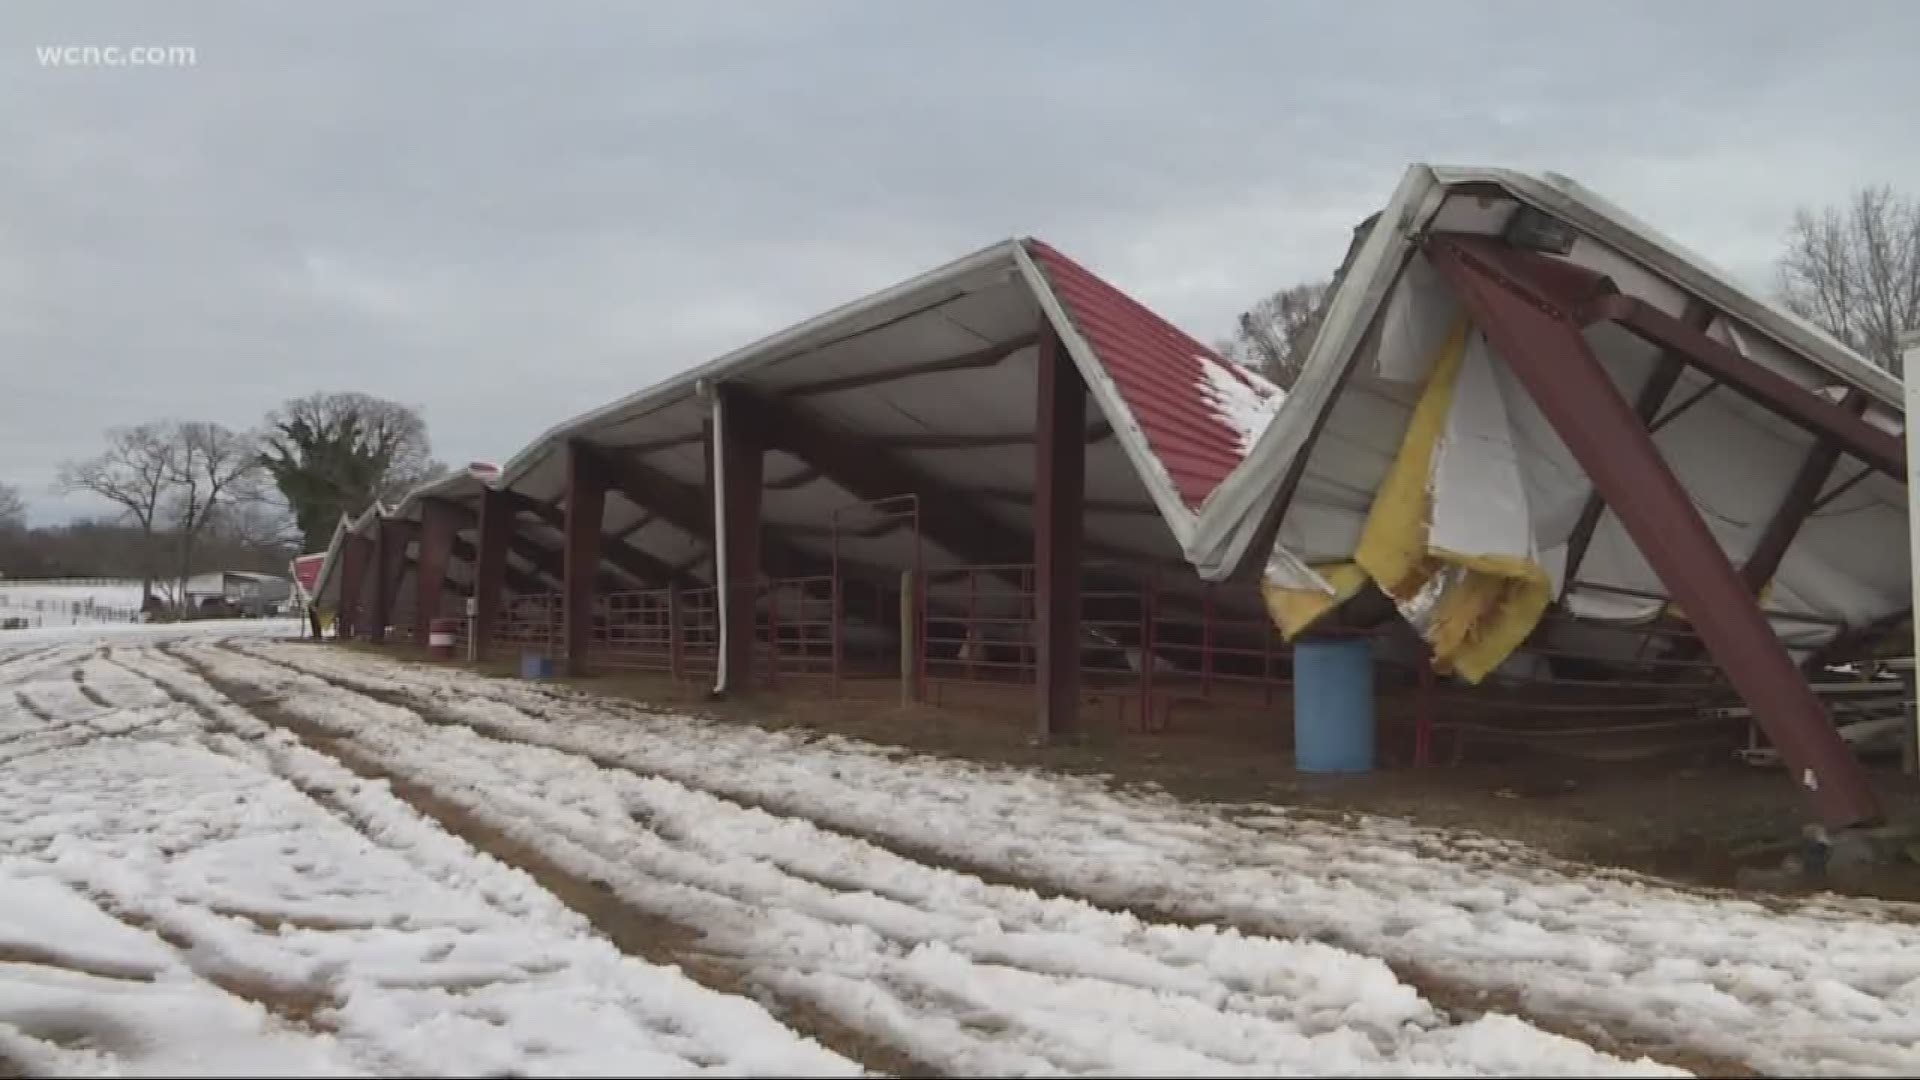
(1473, 610)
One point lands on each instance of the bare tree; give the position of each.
(1855, 270)
(258, 514)
(1276, 334)
(208, 469)
(334, 454)
(13, 509)
(135, 472)
(13, 531)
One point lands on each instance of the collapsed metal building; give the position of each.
(1537, 450)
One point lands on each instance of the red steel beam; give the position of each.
(545, 579)
(390, 564)
(439, 524)
(948, 516)
(645, 519)
(1060, 463)
(382, 558)
(554, 515)
(1545, 349)
(1667, 368)
(799, 479)
(1802, 496)
(586, 500)
(742, 467)
(490, 565)
(689, 508)
(1767, 388)
(1828, 496)
(354, 556)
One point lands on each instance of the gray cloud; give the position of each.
(506, 214)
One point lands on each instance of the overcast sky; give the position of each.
(507, 213)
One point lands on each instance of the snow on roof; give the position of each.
(1240, 398)
(1176, 388)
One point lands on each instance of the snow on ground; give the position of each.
(191, 892)
(1827, 986)
(13, 642)
(965, 976)
(51, 604)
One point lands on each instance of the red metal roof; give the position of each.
(1160, 372)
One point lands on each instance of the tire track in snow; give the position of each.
(908, 1000)
(29, 665)
(31, 708)
(87, 691)
(942, 959)
(550, 950)
(1460, 1001)
(298, 1010)
(635, 931)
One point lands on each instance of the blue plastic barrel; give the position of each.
(535, 666)
(1333, 716)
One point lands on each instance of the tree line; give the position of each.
(1852, 269)
(196, 495)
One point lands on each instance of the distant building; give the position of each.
(237, 592)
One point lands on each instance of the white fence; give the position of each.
(67, 602)
(68, 582)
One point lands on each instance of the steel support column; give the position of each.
(1546, 351)
(439, 524)
(741, 458)
(490, 566)
(354, 555)
(389, 564)
(376, 614)
(1060, 456)
(586, 499)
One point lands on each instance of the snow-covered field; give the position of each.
(189, 865)
(52, 605)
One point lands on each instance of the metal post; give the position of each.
(1146, 654)
(836, 615)
(490, 567)
(382, 602)
(908, 646)
(675, 644)
(439, 523)
(973, 613)
(1206, 641)
(586, 501)
(773, 633)
(835, 627)
(920, 605)
(1911, 343)
(353, 572)
(1060, 447)
(1266, 660)
(1423, 716)
(741, 461)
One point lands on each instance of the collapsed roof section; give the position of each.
(929, 387)
(1787, 442)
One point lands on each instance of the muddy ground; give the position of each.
(1695, 815)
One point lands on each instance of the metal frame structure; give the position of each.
(1542, 343)
(961, 400)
